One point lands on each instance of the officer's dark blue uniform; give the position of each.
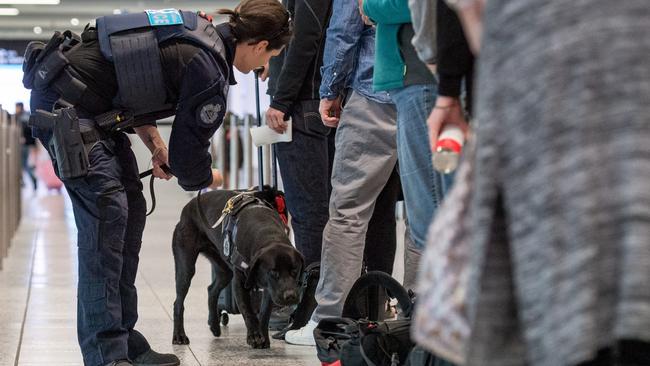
(108, 204)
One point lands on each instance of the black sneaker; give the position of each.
(120, 363)
(280, 317)
(153, 358)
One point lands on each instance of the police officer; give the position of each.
(122, 76)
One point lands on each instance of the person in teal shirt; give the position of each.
(413, 89)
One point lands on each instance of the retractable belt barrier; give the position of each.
(10, 180)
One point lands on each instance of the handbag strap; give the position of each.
(382, 279)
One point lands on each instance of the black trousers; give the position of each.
(626, 353)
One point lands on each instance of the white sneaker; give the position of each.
(303, 336)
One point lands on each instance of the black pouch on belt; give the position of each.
(67, 144)
(32, 52)
(115, 120)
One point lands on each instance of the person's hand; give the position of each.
(217, 179)
(275, 120)
(364, 17)
(447, 111)
(330, 111)
(160, 158)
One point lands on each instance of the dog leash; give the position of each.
(147, 173)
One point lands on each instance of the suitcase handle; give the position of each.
(260, 170)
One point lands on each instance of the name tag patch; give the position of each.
(164, 17)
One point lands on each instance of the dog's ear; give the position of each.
(301, 259)
(254, 264)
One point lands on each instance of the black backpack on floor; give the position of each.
(357, 340)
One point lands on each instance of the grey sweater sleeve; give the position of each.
(423, 15)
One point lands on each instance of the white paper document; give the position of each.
(265, 135)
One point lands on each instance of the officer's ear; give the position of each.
(261, 47)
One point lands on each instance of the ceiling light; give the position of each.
(31, 2)
(38, 30)
(74, 21)
(9, 11)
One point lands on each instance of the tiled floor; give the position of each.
(38, 296)
(38, 290)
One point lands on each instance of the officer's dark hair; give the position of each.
(254, 21)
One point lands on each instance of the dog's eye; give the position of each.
(274, 274)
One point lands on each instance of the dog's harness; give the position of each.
(228, 220)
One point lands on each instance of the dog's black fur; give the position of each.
(277, 271)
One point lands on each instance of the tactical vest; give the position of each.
(131, 42)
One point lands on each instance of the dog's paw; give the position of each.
(180, 339)
(266, 344)
(215, 328)
(256, 340)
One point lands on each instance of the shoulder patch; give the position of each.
(211, 111)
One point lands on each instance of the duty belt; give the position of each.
(90, 134)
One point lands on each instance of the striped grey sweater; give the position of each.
(561, 211)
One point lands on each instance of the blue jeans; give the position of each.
(423, 187)
(109, 211)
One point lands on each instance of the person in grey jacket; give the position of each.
(560, 207)
(423, 18)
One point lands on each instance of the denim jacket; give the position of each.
(349, 54)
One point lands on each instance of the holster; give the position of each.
(68, 145)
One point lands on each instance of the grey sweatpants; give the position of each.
(366, 154)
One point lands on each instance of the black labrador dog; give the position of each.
(271, 262)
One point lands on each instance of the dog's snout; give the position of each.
(290, 296)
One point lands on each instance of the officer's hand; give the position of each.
(217, 179)
(330, 111)
(275, 120)
(160, 158)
